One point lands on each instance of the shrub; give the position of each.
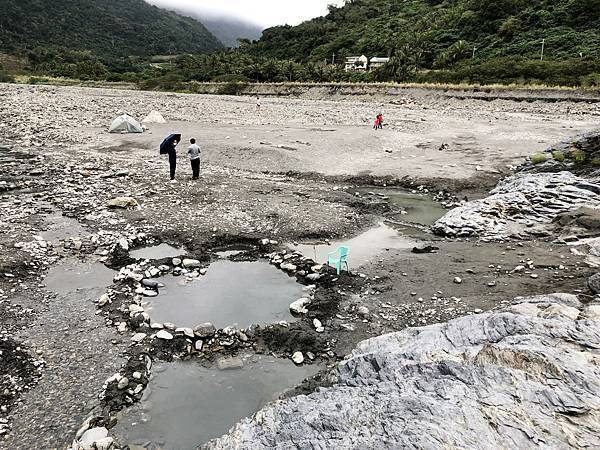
(595, 162)
(6, 78)
(232, 88)
(578, 155)
(539, 158)
(558, 156)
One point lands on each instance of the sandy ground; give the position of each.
(257, 182)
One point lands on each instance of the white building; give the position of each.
(377, 62)
(357, 64)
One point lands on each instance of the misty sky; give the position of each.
(262, 12)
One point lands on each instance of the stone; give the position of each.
(123, 202)
(299, 306)
(137, 376)
(138, 337)
(288, 267)
(104, 444)
(91, 436)
(230, 363)
(191, 263)
(123, 383)
(543, 196)
(319, 328)
(363, 311)
(206, 330)
(152, 284)
(593, 283)
(457, 280)
(314, 276)
(198, 345)
(298, 358)
(165, 335)
(176, 261)
(186, 331)
(156, 326)
(444, 381)
(104, 300)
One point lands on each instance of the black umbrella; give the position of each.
(166, 144)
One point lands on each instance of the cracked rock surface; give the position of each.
(518, 204)
(523, 377)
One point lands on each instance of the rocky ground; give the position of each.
(282, 175)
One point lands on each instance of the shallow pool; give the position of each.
(186, 405)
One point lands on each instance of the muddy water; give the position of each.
(74, 276)
(61, 227)
(157, 252)
(418, 208)
(363, 248)
(186, 405)
(242, 293)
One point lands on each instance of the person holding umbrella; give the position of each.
(168, 147)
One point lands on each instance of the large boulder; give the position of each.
(518, 204)
(525, 377)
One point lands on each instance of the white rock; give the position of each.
(190, 263)
(299, 306)
(104, 299)
(319, 328)
(138, 337)
(162, 334)
(104, 444)
(91, 436)
(186, 331)
(457, 280)
(298, 358)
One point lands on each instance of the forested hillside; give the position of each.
(439, 33)
(107, 28)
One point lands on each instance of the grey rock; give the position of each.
(205, 330)
(593, 283)
(540, 197)
(451, 385)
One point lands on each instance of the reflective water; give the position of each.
(363, 248)
(419, 209)
(157, 252)
(242, 293)
(73, 276)
(186, 405)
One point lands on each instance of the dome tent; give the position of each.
(154, 117)
(125, 124)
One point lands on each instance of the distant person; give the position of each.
(257, 103)
(380, 121)
(376, 123)
(194, 153)
(172, 152)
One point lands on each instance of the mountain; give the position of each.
(229, 30)
(108, 28)
(439, 33)
(226, 29)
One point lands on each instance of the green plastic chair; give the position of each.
(337, 262)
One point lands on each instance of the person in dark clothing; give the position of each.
(173, 159)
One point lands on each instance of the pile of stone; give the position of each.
(515, 378)
(520, 206)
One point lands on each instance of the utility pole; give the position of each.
(542, 55)
(474, 48)
(333, 60)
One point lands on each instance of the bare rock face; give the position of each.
(524, 377)
(518, 204)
